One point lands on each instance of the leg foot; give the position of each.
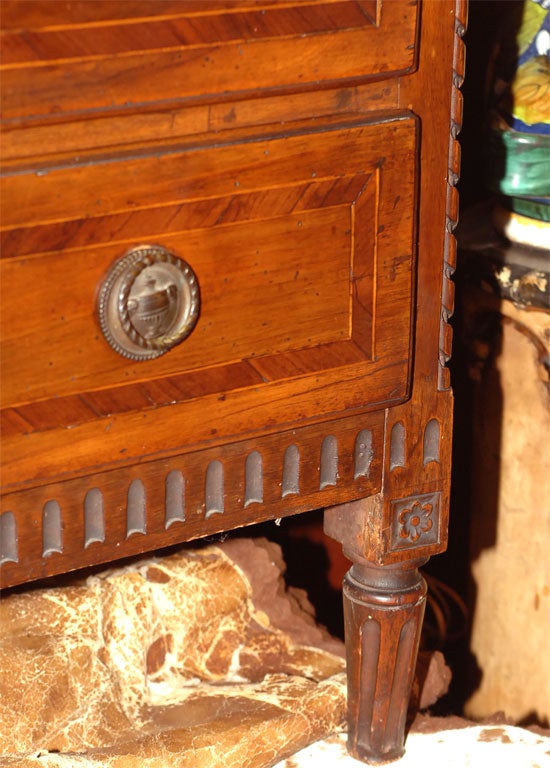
(383, 610)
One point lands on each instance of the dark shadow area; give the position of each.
(476, 343)
(309, 558)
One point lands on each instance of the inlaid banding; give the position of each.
(432, 437)
(94, 519)
(291, 471)
(214, 489)
(136, 509)
(364, 454)
(329, 462)
(52, 537)
(254, 480)
(397, 446)
(8, 538)
(175, 498)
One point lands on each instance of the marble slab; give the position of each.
(201, 659)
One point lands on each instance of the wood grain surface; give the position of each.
(301, 157)
(303, 250)
(297, 155)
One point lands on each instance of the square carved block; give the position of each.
(415, 521)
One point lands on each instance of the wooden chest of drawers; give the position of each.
(226, 255)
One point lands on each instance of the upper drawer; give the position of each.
(303, 248)
(60, 59)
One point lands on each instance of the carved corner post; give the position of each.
(388, 537)
(383, 610)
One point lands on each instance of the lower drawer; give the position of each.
(302, 246)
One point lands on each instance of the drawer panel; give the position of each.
(61, 60)
(303, 249)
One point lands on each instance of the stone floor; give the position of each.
(478, 746)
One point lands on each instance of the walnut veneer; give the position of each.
(299, 157)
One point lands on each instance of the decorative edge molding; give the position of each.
(80, 523)
(449, 265)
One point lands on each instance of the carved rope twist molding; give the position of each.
(447, 293)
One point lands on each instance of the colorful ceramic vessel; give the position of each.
(519, 114)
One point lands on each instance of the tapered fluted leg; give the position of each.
(383, 610)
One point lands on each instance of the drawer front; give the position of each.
(59, 60)
(302, 247)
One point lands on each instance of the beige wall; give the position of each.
(510, 531)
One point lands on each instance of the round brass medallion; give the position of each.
(148, 303)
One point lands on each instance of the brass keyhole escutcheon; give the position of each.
(148, 303)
